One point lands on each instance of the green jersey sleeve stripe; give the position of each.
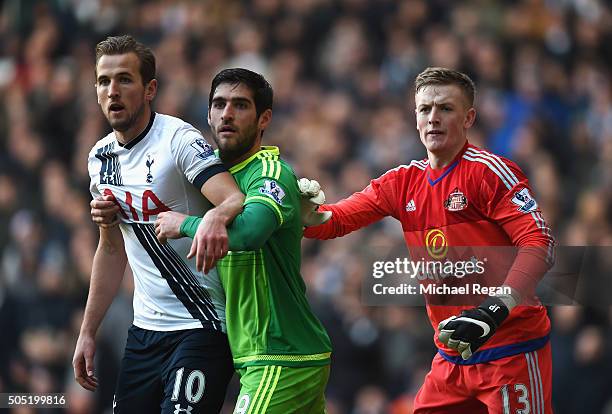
(288, 358)
(263, 379)
(271, 165)
(267, 154)
(274, 169)
(265, 407)
(269, 202)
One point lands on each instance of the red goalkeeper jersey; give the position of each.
(479, 199)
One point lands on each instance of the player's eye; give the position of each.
(218, 105)
(103, 82)
(125, 80)
(424, 109)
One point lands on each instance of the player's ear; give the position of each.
(470, 117)
(264, 119)
(151, 90)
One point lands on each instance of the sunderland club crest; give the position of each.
(456, 200)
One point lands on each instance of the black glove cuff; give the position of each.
(495, 309)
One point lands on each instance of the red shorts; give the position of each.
(504, 386)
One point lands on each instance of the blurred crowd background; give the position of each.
(342, 72)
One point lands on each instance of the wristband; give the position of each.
(495, 309)
(189, 227)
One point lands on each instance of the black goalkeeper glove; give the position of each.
(473, 327)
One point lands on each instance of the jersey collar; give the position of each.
(140, 136)
(264, 151)
(435, 176)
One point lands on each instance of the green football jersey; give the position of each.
(269, 320)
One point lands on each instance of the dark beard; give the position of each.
(128, 123)
(227, 155)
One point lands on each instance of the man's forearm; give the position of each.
(349, 215)
(229, 208)
(249, 231)
(106, 276)
(252, 228)
(529, 267)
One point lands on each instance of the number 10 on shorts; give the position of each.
(194, 386)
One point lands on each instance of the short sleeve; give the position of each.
(94, 175)
(194, 157)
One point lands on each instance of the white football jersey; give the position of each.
(162, 169)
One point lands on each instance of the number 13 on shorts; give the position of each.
(520, 404)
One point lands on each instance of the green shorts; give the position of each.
(275, 389)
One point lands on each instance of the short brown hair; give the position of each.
(118, 45)
(444, 76)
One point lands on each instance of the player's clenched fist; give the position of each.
(473, 327)
(168, 225)
(104, 211)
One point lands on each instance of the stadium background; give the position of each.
(342, 72)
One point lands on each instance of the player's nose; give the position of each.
(113, 89)
(228, 113)
(434, 117)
